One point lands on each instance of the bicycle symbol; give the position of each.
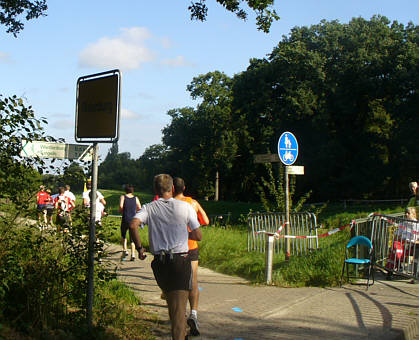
(288, 156)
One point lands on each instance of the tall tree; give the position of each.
(205, 135)
(349, 92)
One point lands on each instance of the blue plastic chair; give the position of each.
(368, 262)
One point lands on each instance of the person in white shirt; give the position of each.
(86, 196)
(168, 220)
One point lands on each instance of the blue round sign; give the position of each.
(287, 148)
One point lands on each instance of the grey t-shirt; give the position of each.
(167, 222)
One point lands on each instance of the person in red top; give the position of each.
(192, 321)
(42, 198)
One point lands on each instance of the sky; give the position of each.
(158, 49)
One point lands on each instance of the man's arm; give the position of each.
(135, 237)
(202, 215)
(195, 234)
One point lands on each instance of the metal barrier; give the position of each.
(301, 224)
(395, 240)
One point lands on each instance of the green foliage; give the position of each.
(43, 281)
(274, 198)
(333, 85)
(347, 91)
(18, 177)
(264, 19)
(10, 10)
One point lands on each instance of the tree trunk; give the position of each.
(217, 184)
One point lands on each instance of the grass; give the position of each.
(225, 249)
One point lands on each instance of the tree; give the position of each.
(19, 176)
(74, 176)
(349, 92)
(10, 10)
(264, 19)
(204, 138)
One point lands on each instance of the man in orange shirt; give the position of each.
(192, 321)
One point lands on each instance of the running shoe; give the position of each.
(193, 324)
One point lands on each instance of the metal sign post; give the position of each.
(97, 121)
(92, 239)
(288, 153)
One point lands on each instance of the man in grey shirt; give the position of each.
(167, 220)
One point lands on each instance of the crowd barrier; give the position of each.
(302, 225)
(395, 240)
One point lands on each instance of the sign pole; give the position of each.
(287, 214)
(92, 240)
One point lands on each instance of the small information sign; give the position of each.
(55, 150)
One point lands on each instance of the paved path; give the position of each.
(231, 308)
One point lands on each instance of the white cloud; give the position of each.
(179, 61)
(166, 42)
(145, 95)
(4, 57)
(128, 114)
(128, 51)
(63, 124)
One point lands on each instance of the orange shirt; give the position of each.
(192, 244)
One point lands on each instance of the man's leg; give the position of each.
(176, 301)
(193, 300)
(194, 293)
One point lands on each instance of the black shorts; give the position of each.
(41, 207)
(63, 220)
(124, 229)
(194, 254)
(172, 274)
(50, 211)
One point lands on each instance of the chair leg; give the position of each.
(347, 272)
(343, 272)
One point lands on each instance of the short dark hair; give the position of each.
(61, 190)
(179, 185)
(162, 183)
(129, 188)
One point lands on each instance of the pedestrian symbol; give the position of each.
(287, 148)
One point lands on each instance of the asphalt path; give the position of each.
(232, 308)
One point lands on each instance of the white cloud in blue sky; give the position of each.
(158, 49)
(4, 57)
(128, 51)
(63, 124)
(179, 61)
(128, 114)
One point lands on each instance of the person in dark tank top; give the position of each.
(128, 206)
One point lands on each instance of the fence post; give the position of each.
(269, 258)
